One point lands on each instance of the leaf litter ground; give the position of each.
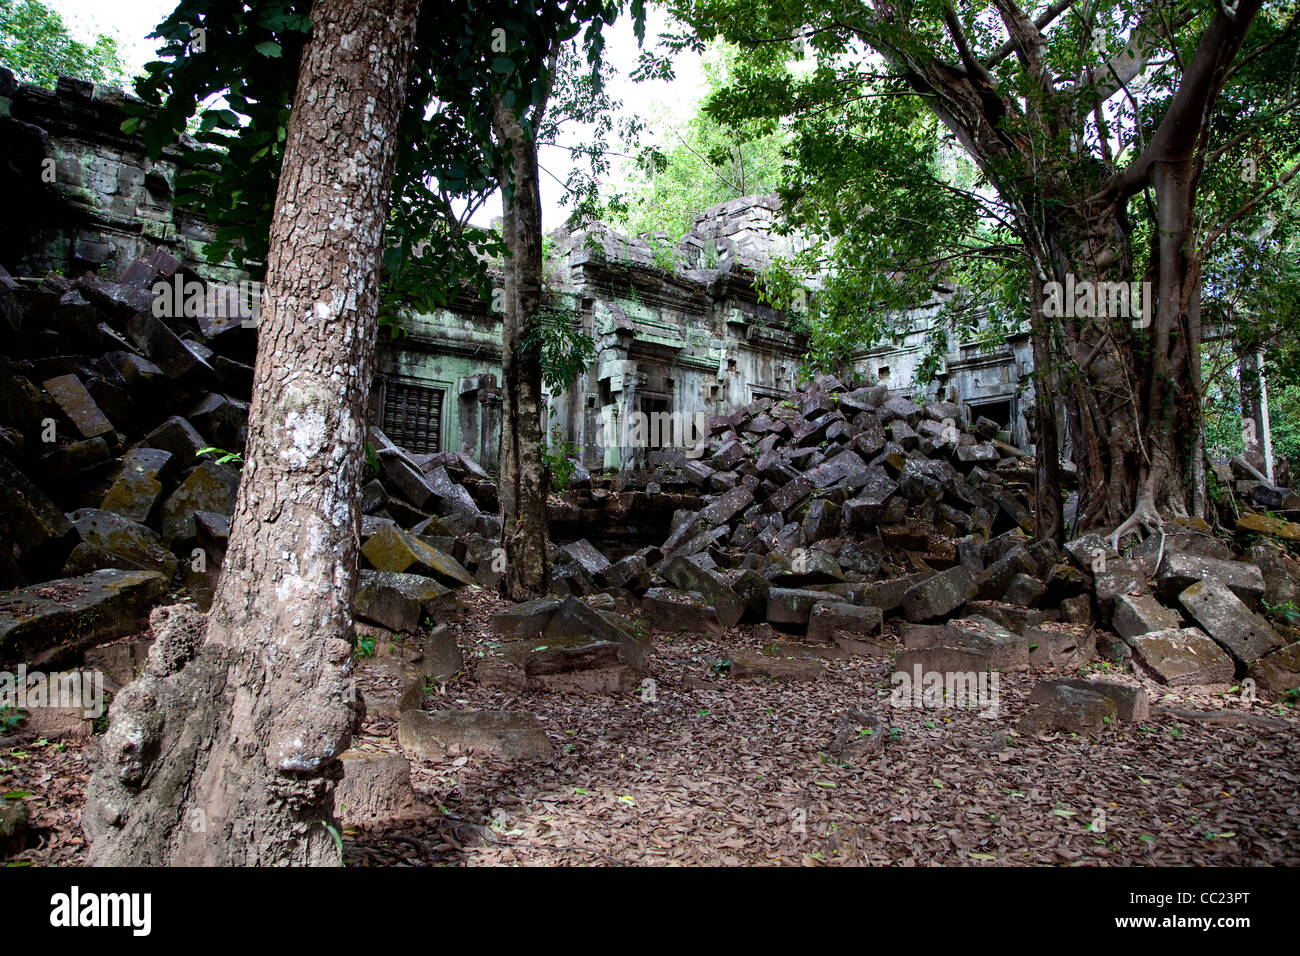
(719, 771)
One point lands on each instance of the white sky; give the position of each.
(130, 21)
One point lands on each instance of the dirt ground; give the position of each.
(721, 771)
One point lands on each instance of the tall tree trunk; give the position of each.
(1049, 521)
(523, 479)
(1131, 392)
(226, 750)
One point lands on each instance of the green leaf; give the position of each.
(503, 64)
(338, 840)
(269, 48)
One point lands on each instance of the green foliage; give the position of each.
(10, 717)
(1285, 611)
(665, 255)
(1223, 412)
(365, 647)
(692, 165)
(36, 45)
(917, 228)
(564, 348)
(334, 832)
(556, 458)
(247, 54)
(447, 163)
(223, 457)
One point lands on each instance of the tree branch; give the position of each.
(1245, 208)
(1180, 130)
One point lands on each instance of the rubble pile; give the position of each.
(108, 501)
(849, 521)
(121, 440)
(841, 521)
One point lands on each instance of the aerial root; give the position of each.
(1146, 516)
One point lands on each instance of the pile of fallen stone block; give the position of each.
(846, 521)
(841, 520)
(108, 503)
(121, 440)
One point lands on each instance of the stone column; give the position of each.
(1255, 431)
(489, 399)
(613, 430)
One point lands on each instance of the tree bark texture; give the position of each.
(226, 750)
(523, 482)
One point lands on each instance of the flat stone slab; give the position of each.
(748, 664)
(53, 622)
(400, 602)
(513, 734)
(392, 684)
(941, 594)
(75, 402)
(794, 605)
(526, 619)
(679, 611)
(1131, 703)
(1004, 649)
(843, 465)
(1181, 656)
(588, 556)
(1136, 614)
(580, 651)
(888, 594)
(941, 659)
(1076, 710)
(135, 496)
(1181, 569)
(129, 545)
(830, 618)
(1118, 576)
(727, 506)
(392, 549)
(1278, 672)
(713, 587)
(1223, 616)
(209, 487)
(1266, 524)
(1055, 646)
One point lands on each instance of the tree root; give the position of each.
(1145, 516)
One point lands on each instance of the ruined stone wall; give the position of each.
(671, 339)
(84, 195)
(678, 325)
(983, 381)
(678, 331)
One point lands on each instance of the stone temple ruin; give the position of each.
(679, 328)
(834, 521)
